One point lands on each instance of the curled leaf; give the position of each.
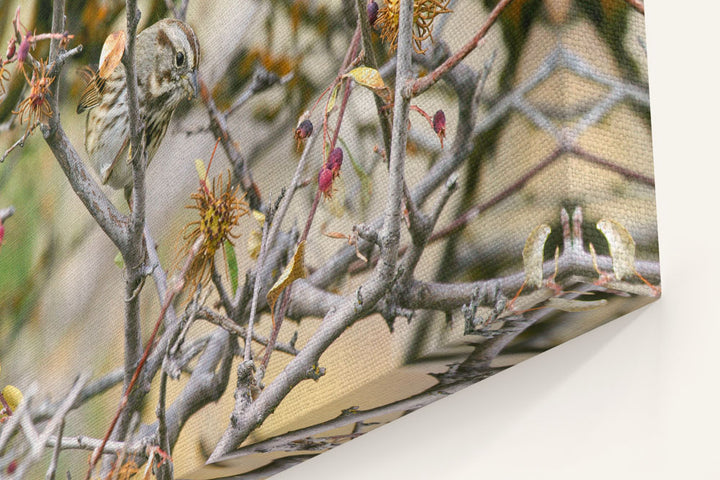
(337, 235)
(259, 217)
(367, 77)
(533, 255)
(332, 99)
(622, 247)
(112, 52)
(294, 270)
(201, 169)
(570, 305)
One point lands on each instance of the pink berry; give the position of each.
(439, 122)
(334, 161)
(325, 181)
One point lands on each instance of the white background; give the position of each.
(637, 398)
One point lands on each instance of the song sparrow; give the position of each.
(166, 59)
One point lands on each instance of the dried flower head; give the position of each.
(36, 107)
(220, 209)
(424, 13)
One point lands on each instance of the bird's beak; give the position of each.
(192, 84)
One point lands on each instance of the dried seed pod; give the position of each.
(304, 130)
(334, 161)
(439, 125)
(372, 12)
(325, 181)
(11, 49)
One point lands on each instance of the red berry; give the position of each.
(439, 125)
(12, 466)
(334, 161)
(439, 122)
(325, 180)
(372, 11)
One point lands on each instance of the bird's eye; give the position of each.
(179, 59)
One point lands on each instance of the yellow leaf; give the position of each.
(253, 244)
(112, 52)
(259, 217)
(367, 77)
(201, 170)
(332, 99)
(622, 247)
(294, 270)
(533, 255)
(569, 305)
(12, 396)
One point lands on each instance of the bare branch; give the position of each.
(248, 416)
(50, 475)
(429, 80)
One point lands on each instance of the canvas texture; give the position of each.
(391, 219)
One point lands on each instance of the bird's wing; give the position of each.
(107, 171)
(92, 95)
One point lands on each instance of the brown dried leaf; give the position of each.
(294, 270)
(533, 255)
(570, 305)
(335, 235)
(622, 247)
(112, 53)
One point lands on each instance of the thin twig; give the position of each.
(247, 416)
(422, 84)
(256, 292)
(177, 288)
(20, 143)
(287, 294)
(50, 475)
(216, 318)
